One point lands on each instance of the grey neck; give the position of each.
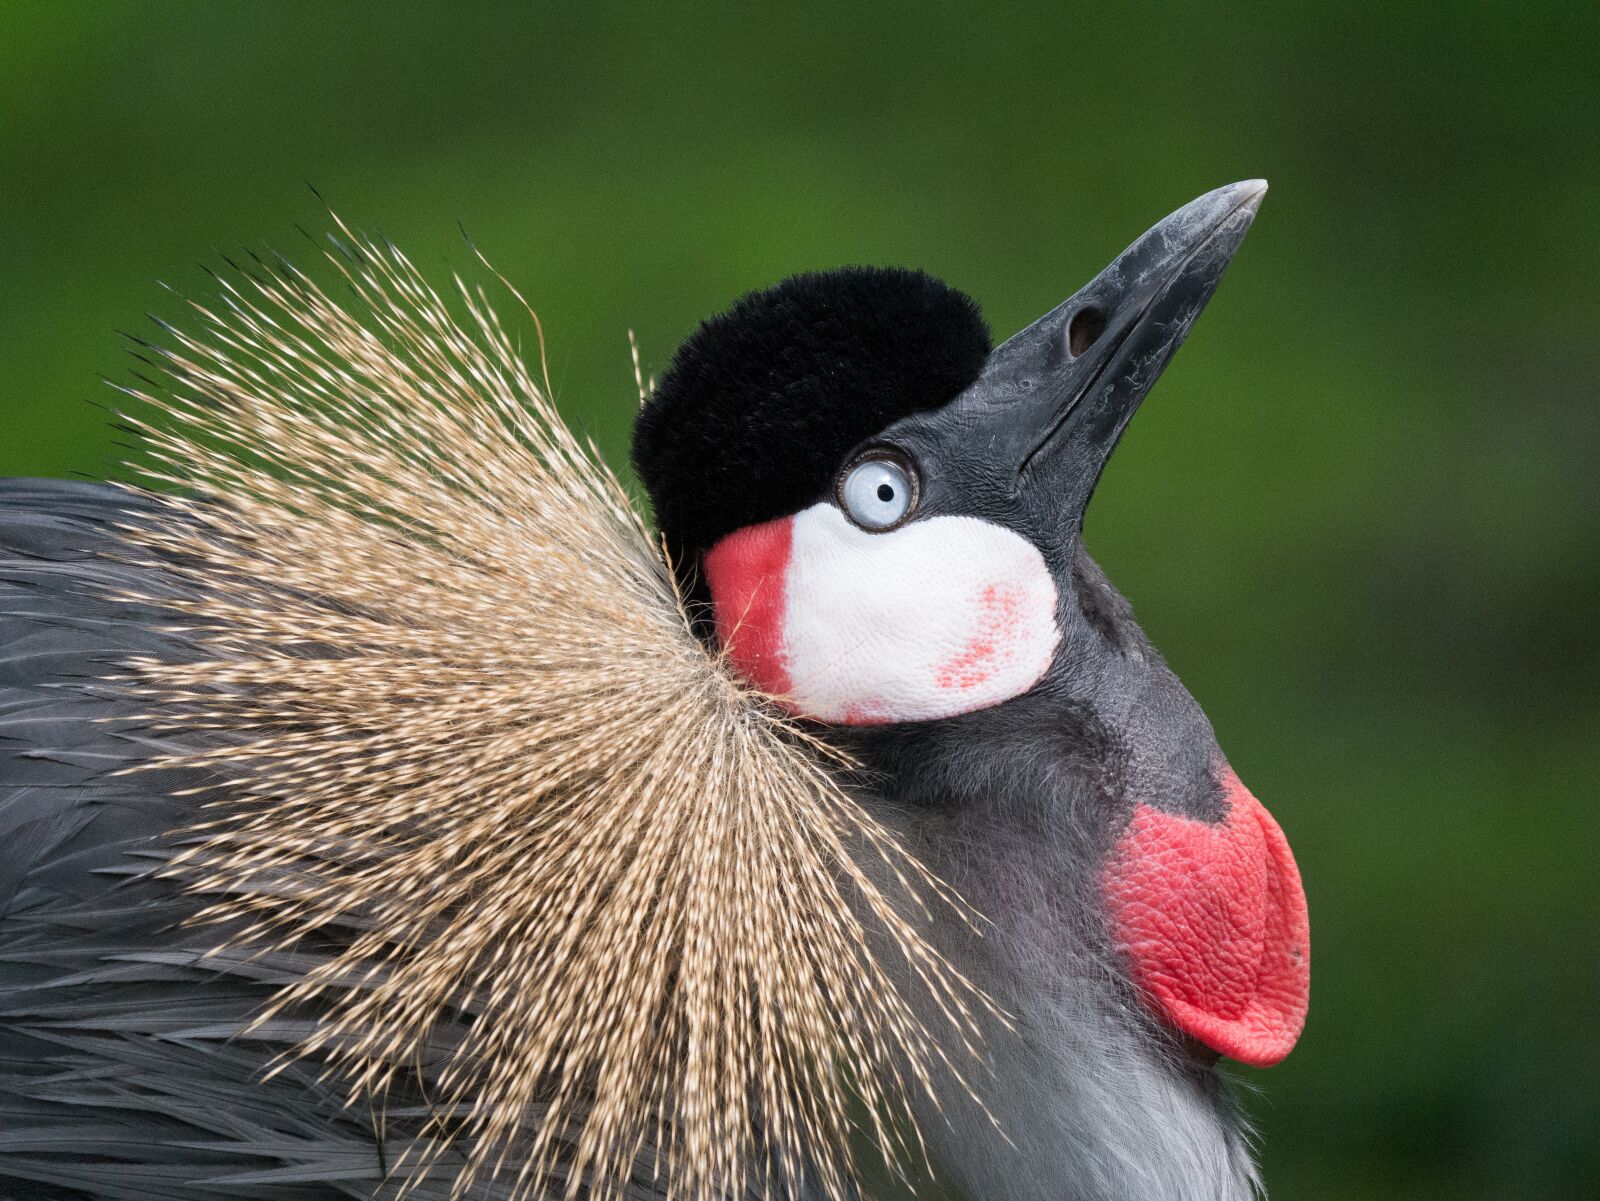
(1015, 807)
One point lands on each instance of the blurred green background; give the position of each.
(1358, 515)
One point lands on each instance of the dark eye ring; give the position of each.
(878, 490)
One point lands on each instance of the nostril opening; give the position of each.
(1084, 330)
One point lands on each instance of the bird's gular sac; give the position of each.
(1213, 919)
(938, 580)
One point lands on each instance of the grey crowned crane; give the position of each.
(386, 810)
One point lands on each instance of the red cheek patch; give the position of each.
(1000, 608)
(1214, 919)
(747, 573)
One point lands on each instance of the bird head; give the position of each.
(884, 519)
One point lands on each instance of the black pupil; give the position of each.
(885, 492)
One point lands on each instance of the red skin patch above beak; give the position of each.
(1213, 917)
(748, 573)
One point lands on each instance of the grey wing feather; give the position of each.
(124, 1071)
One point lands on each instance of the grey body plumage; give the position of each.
(124, 1075)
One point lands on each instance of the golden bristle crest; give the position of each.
(461, 713)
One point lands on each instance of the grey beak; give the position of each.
(1059, 393)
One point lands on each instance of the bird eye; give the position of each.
(878, 492)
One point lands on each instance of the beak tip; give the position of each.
(1250, 193)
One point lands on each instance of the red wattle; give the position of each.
(747, 573)
(1214, 919)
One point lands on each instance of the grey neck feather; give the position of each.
(1016, 807)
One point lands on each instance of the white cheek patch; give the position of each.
(939, 617)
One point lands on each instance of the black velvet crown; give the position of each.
(761, 403)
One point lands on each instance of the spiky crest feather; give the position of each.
(462, 712)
